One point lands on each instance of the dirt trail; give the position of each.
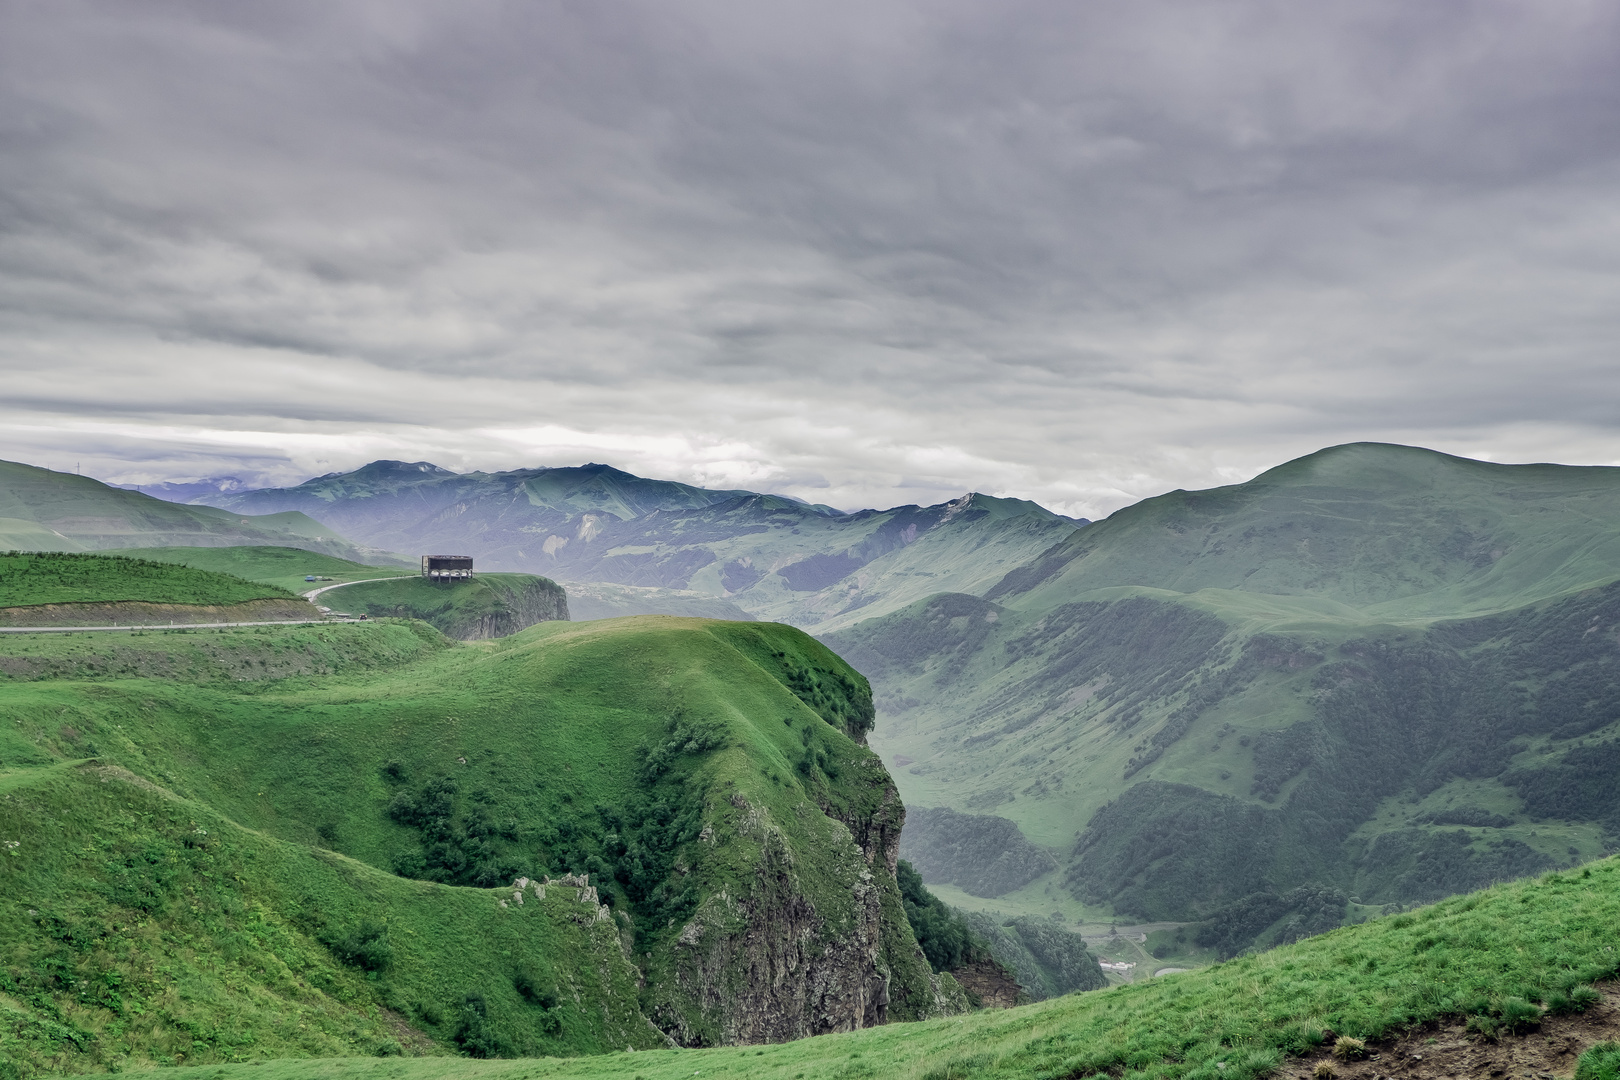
(1447, 1050)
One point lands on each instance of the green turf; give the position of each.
(28, 579)
(1472, 956)
(203, 656)
(283, 566)
(167, 933)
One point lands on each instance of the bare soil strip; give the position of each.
(1449, 1050)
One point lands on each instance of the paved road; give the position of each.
(168, 626)
(313, 593)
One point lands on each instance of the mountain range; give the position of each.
(766, 556)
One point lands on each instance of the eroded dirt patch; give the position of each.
(1449, 1050)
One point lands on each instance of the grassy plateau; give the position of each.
(33, 578)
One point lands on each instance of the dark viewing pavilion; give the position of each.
(447, 567)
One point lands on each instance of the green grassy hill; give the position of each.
(275, 846)
(1362, 679)
(488, 606)
(1386, 532)
(1505, 960)
(286, 567)
(41, 510)
(57, 578)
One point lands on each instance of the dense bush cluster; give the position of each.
(941, 931)
(1580, 785)
(461, 843)
(1390, 716)
(982, 854)
(1046, 959)
(1308, 910)
(629, 848)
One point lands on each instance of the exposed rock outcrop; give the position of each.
(519, 604)
(814, 940)
(990, 984)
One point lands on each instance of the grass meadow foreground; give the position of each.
(1500, 960)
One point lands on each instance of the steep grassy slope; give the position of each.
(1208, 749)
(41, 510)
(706, 775)
(488, 606)
(1502, 958)
(61, 578)
(772, 557)
(140, 927)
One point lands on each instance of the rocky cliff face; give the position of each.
(517, 604)
(813, 938)
(488, 606)
(989, 983)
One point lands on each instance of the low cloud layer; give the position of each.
(864, 254)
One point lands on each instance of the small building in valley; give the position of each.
(447, 567)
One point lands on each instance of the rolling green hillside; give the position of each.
(1244, 707)
(277, 847)
(488, 606)
(1512, 959)
(59, 578)
(41, 510)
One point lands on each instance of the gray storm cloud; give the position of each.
(863, 253)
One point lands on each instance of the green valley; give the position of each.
(1372, 677)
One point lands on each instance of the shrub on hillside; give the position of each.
(365, 947)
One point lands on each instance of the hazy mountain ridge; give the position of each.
(42, 510)
(770, 556)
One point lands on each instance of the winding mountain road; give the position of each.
(313, 593)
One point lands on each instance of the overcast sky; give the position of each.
(866, 253)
